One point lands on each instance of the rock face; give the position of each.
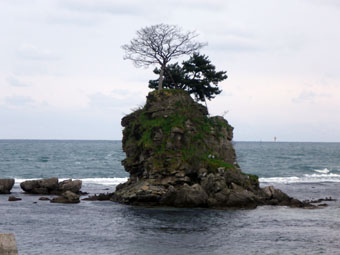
(67, 197)
(6, 185)
(51, 186)
(8, 245)
(179, 156)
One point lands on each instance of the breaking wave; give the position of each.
(307, 178)
(99, 181)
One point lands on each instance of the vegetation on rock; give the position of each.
(197, 76)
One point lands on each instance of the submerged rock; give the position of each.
(8, 244)
(99, 197)
(44, 199)
(179, 156)
(51, 186)
(13, 198)
(6, 185)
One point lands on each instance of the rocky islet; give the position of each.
(177, 155)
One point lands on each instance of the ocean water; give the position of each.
(303, 170)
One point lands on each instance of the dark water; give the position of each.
(304, 170)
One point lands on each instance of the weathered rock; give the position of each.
(13, 198)
(67, 197)
(43, 186)
(70, 185)
(186, 196)
(6, 185)
(8, 245)
(51, 186)
(179, 156)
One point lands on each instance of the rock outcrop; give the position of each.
(179, 156)
(6, 185)
(8, 244)
(51, 186)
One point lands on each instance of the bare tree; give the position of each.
(159, 44)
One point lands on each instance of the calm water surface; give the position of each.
(304, 170)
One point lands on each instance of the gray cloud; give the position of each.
(335, 3)
(308, 96)
(104, 6)
(19, 101)
(103, 101)
(67, 18)
(31, 52)
(13, 81)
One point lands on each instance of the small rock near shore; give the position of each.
(6, 185)
(66, 197)
(13, 198)
(8, 244)
(44, 199)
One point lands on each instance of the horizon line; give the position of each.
(119, 140)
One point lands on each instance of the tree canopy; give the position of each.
(197, 76)
(158, 45)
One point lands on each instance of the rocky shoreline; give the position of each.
(68, 191)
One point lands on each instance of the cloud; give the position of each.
(105, 6)
(66, 18)
(335, 3)
(308, 96)
(13, 81)
(99, 100)
(19, 101)
(31, 52)
(235, 44)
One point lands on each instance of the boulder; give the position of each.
(6, 185)
(70, 185)
(42, 186)
(8, 244)
(51, 186)
(66, 197)
(13, 198)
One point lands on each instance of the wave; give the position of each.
(99, 181)
(322, 171)
(307, 178)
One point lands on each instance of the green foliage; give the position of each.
(253, 179)
(213, 164)
(196, 76)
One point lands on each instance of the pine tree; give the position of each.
(197, 76)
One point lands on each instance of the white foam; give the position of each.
(104, 181)
(100, 181)
(307, 178)
(322, 171)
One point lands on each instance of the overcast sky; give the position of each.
(62, 73)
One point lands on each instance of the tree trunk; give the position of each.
(160, 82)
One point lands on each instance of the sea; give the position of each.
(303, 170)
